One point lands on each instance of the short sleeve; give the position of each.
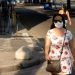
(70, 35)
(48, 34)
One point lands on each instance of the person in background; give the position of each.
(54, 41)
(63, 11)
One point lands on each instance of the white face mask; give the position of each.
(58, 24)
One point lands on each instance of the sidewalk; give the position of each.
(10, 66)
(8, 47)
(35, 70)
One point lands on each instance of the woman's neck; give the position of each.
(59, 29)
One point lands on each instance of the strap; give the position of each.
(63, 42)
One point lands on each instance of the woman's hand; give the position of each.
(47, 57)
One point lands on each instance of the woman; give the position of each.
(63, 11)
(54, 41)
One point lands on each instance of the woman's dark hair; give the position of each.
(55, 15)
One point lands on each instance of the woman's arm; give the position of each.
(47, 47)
(68, 15)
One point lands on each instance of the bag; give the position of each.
(53, 66)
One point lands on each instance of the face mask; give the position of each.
(59, 24)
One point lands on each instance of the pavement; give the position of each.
(10, 44)
(8, 47)
(33, 39)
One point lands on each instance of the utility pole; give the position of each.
(68, 4)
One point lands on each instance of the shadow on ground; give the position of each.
(39, 66)
(29, 18)
(25, 18)
(32, 71)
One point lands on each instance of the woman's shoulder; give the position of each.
(67, 12)
(69, 32)
(60, 11)
(50, 31)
